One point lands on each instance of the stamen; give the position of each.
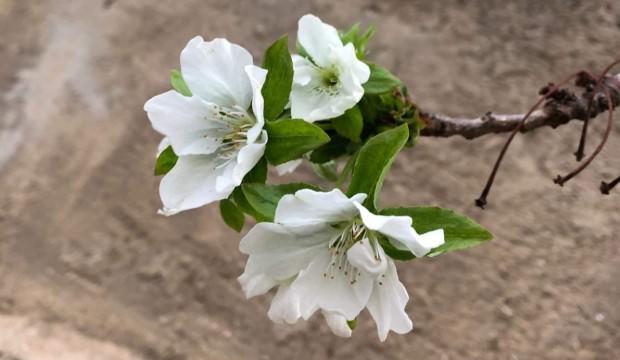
(234, 124)
(351, 234)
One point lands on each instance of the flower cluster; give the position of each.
(216, 134)
(326, 251)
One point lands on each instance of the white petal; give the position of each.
(349, 62)
(432, 239)
(255, 284)
(316, 37)
(337, 323)
(368, 257)
(353, 73)
(323, 286)
(225, 179)
(215, 72)
(190, 184)
(359, 198)
(196, 143)
(185, 121)
(311, 105)
(281, 252)
(257, 77)
(387, 304)
(309, 206)
(397, 228)
(304, 70)
(306, 102)
(284, 306)
(248, 157)
(288, 167)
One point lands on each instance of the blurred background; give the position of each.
(89, 271)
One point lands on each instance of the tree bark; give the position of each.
(557, 110)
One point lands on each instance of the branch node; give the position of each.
(488, 116)
(579, 154)
(605, 188)
(585, 80)
(546, 89)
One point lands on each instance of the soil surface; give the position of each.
(88, 270)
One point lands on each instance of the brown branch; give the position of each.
(557, 110)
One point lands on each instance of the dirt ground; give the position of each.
(89, 271)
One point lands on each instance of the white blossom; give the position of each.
(330, 82)
(322, 252)
(288, 167)
(215, 134)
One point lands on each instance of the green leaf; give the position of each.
(277, 87)
(244, 205)
(165, 161)
(375, 107)
(371, 107)
(363, 40)
(352, 324)
(327, 171)
(350, 124)
(359, 40)
(350, 35)
(336, 147)
(232, 215)
(415, 126)
(178, 83)
(301, 51)
(258, 174)
(289, 139)
(460, 232)
(380, 81)
(264, 198)
(373, 162)
(346, 171)
(393, 252)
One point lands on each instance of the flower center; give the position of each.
(352, 233)
(329, 80)
(234, 127)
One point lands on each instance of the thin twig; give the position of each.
(561, 180)
(546, 94)
(587, 77)
(581, 149)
